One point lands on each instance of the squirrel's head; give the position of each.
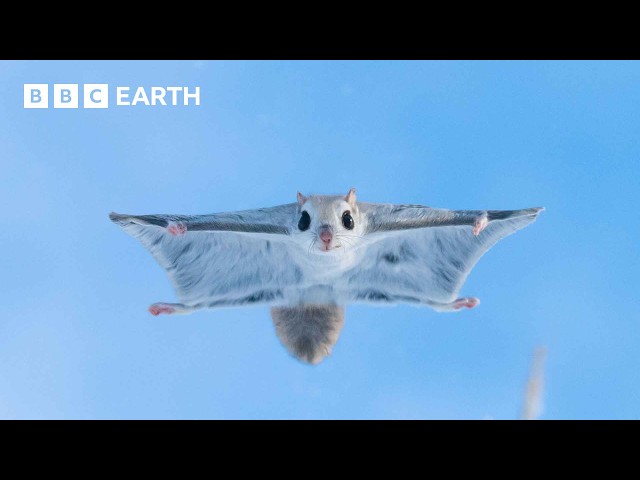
(328, 223)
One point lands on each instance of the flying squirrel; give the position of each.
(309, 259)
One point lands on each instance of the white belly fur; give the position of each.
(323, 276)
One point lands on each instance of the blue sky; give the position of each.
(76, 340)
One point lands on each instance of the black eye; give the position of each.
(347, 220)
(305, 221)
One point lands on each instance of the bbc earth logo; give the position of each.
(96, 95)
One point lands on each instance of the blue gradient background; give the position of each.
(76, 340)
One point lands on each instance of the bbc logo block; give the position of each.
(66, 95)
(36, 95)
(96, 95)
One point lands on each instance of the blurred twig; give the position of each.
(532, 407)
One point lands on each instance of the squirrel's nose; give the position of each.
(326, 236)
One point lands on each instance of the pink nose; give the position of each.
(326, 236)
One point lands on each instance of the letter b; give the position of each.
(65, 95)
(36, 95)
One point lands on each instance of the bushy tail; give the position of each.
(308, 331)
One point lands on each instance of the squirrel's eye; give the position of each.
(347, 220)
(305, 221)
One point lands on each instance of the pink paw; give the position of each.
(465, 302)
(177, 229)
(480, 224)
(158, 308)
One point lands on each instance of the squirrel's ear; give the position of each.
(351, 198)
(301, 199)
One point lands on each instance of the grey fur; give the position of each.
(239, 222)
(308, 331)
(394, 254)
(387, 218)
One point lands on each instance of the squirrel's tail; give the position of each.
(308, 331)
